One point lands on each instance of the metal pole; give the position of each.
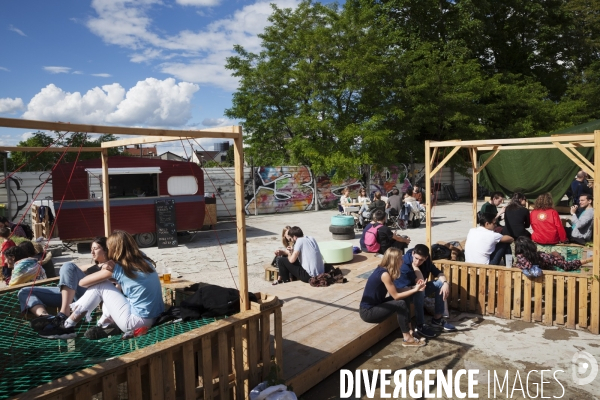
(7, 184)
(316, 191)
(254, 186)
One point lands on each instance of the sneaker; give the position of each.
(443, 324)
(38, 324)
(57, 331)
(98, 332)
(424, 331)
(414, 343)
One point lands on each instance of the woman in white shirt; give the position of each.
(345, 199)
(362, 196)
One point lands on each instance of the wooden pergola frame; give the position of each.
(149, 135)
(568, 144)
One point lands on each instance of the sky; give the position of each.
(147, 63)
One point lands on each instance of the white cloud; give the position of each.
(17, 30)
(150, 102)
(77, 72)
(198, 3)
(212, 122)
(4, 69)
(9, 106)
(200, 54)
(103, 75)
(57, 70)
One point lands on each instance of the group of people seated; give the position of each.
(122, 278)
(406, 206)
(490, 243)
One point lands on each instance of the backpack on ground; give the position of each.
(371, 242)
(416, 221)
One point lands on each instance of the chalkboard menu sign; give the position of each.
(166, 224)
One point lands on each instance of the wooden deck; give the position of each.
(322, 330)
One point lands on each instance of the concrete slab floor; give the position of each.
(492, 346)
(486, 343)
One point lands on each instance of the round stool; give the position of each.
(336, 252)
(342, 220)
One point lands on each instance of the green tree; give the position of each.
(47, 159)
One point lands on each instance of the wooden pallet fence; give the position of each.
(223, 360)
(556, 298)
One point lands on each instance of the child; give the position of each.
(528, 258)
(6, 244)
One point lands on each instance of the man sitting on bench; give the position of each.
(484, 246)
(582, 221)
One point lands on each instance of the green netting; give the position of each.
(32, 361)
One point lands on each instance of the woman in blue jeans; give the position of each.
(375, 307)
(35, 299)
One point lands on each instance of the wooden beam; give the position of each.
(240, 217)
(229, 132)
(433, 156)
(105, 193)
(575, 159)
(52, 149)
(595, 300)
(427, 195)
(445, 160)
(583, 159)
(495, 142)
(143, 140)
(536, 146)
(473, 152)
(496, 150)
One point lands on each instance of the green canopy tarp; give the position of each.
(535, 171)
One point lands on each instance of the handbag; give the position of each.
(533, 272)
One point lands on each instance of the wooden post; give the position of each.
(240, 219)
(474, 166)
(105, 193)
(427, 195)
(595, 303)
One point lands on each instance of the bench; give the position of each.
(271, 273)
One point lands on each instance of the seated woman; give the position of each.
(376, 307)
(362, 196)
(35, 299)
(528, 257)
(516, 217)
(138, 306)
(345, 199)
(22, 269)
(545, 222)
(16, 229)
(367, 210)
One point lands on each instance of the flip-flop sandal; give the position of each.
(415, 343)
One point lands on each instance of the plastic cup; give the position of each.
(167, 276)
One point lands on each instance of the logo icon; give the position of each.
(585, 368)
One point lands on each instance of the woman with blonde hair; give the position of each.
(137, 306)
(375, 307)
(545, 222)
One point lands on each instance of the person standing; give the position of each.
(578, 187)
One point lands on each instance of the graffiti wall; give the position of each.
(24, 187)
(287, 189)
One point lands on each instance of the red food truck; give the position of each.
(134, 185)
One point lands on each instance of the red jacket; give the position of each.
(547, 227)
(6, 244)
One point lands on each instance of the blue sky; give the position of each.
(156, 63)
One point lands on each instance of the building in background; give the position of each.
(171, 157)
(140, 151)
(219, 154)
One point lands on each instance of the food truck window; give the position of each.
(178, 185)
(133, 185)
(125, 182)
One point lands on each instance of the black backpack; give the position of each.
(439, 252)
(416, 221)
(28, 231)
